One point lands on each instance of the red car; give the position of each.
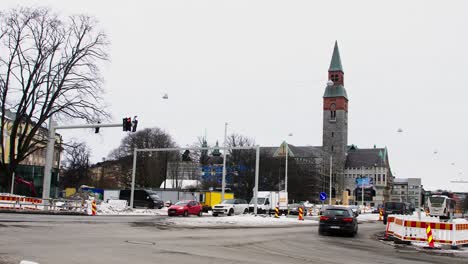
(185, 208)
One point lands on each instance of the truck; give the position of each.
(208, 199)
(268, 200)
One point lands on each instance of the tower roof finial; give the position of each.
(335, 64)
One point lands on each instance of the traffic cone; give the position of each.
(380, 214)
(301, 213)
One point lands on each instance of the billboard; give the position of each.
(368, 182)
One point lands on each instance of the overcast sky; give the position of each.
(262, 67)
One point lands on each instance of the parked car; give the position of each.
(355, 209)
(231, 207)
(142, 198)
(294, 208)
(395, 208)
(338, 219)
(185, 208)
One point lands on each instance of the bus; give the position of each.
(441, 205)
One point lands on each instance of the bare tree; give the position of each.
(76, 170)
(243, 177)
(49, 66)
(152, 167)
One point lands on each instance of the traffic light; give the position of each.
(97, 128)
(135, 123)
(127, 124)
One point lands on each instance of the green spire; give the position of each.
(335, 64)
(216, 152)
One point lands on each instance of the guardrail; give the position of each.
(413, 228)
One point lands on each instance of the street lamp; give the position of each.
(286, 165)
(223, 180)
(362, 186)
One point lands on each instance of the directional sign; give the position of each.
(323, 196)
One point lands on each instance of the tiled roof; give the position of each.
(366, 157)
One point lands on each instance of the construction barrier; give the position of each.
(93, 208)
(17, 202)
(380, 214)
(428, 229)
(277, 212)
(301, 213)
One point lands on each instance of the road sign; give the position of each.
(323, 196)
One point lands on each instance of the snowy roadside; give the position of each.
(237, 221)
(122, 209)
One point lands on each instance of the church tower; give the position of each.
(335, 115)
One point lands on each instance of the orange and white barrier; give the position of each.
(17, 202)
(428, 229)
(301, 214)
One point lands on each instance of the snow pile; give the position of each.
(368, 217)
(118, 208)
(238, 221)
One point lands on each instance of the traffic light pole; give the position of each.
(50, 153)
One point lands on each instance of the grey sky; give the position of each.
(262, 67)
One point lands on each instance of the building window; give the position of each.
(332, 148)
(333, 111)
(383, 178)
(333, 134)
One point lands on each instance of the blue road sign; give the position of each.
(323, 196)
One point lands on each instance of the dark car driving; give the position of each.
(143, 198)
(395, 208)
(338, 219)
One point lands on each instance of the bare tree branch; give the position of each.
(51, 67)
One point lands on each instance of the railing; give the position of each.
(14, 202)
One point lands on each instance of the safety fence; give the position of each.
(427, 229)
(15, 202)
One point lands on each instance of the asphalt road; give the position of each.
(72, 239)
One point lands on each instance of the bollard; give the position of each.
(93, 208)
(380, 214)
(277, 212)
(301, 213)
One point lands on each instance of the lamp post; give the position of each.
(362, 186)
(223, 181)
(286, 165)
(330, 190)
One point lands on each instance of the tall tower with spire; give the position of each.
(335, 116)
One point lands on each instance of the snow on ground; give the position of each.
(368, 217)
(237, 220)
(444, 249)
(109, 209)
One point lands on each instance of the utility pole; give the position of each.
(331, 167)
(223, 182)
